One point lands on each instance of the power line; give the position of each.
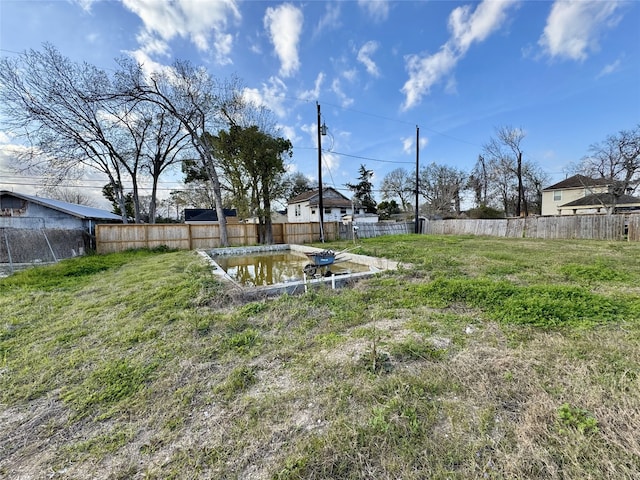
(25, 184)
(367, 158)
(354, 156)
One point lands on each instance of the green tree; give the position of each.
(363, 190)
(297, 183)
(253, 165)
(388, 208)
(111, 193)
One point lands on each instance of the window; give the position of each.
(327, 211)
(297, 211)
(557, 196)
(313, 211)
(343, 211)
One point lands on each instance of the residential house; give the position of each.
(304, 208)
(35, 229)
(582, 195)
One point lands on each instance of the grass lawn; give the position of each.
(478, 358)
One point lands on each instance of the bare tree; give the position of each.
(441, 187)
(69, 195)
(479, 182)
(163, 144)
(52, 103)
(616, 159)
(398, 184)
(534, 179)
(505, 151)
(192, 97)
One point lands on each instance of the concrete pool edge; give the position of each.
(375, 264)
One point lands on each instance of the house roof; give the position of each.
(579, 181)
(80, 211)
(330, 198)
(206, 214)
(602, 199)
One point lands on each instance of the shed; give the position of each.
(36, 229)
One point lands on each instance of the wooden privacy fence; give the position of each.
(372, 230)
(594, 227)
(118, 237)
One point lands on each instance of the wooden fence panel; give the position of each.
(371, 230)
(117, 237)
(597, 227)
(633, 228)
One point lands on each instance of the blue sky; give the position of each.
(566, 72)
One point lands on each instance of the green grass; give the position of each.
(478, 358)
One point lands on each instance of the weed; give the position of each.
(540, 305)
(413, 349)
(577, 418)
(110, 383)
(239, 380)
(598, 271)
(243, 341)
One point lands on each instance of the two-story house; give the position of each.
(580, 194)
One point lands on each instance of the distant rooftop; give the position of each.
(579, 181)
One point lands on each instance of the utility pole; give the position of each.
(320, 205)
(417, 226)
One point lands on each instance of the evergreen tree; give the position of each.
(363, 190)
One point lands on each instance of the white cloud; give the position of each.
(350, 74)
(467, 27)
(574, 26)
(609, 69)
(271, 95)
(284, 24)
(330, 161)
(409, 144)
(345, 100)
(289, 133)
(149, 66)
(364, 57)
(85, 4)
(330, 166)
(315, 93)
(424, 72)
(203, 22)
(330, 20)
(378, 10)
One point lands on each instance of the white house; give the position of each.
(304, 208)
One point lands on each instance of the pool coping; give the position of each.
(375, 264)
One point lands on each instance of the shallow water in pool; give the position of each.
(270, 268)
